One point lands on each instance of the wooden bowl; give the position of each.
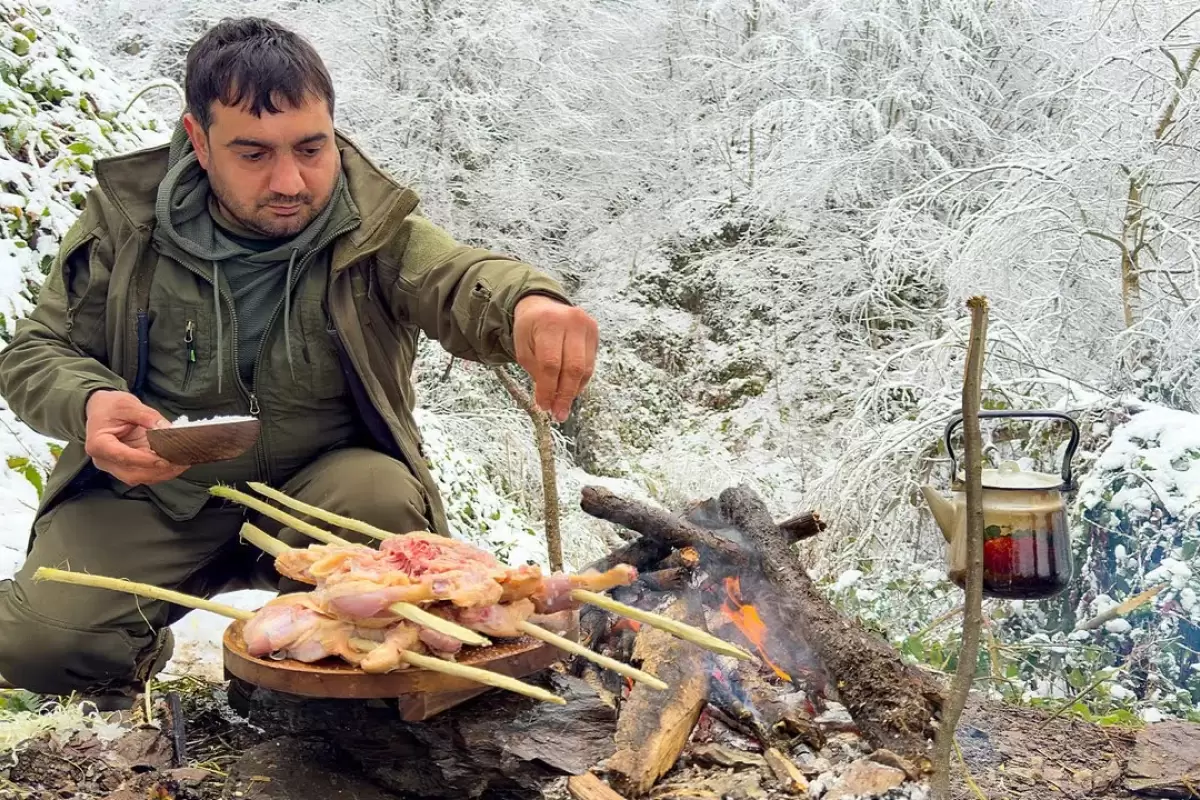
(204, 442)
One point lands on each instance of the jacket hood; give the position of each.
(131, 183)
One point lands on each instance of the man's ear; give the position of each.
(198, 138)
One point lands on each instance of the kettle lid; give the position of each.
(1011, 476)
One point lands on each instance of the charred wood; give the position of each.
(801, 526)
(683, 558)
(671, 579)
(893, 704)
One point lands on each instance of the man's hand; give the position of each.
(556, 344)
(116, 439)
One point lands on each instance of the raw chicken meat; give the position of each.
(348, 614)
(357, 581)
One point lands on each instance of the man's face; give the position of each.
(271, 173)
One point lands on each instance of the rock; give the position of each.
(865, 778)
(191, 775)
(290, 768)
(812, 765)
(1165, 761)
(835, 718)
(722, 756)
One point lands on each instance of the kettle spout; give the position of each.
(943, 510)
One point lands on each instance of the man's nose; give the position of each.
(286, 178)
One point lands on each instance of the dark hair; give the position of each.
(256, 61)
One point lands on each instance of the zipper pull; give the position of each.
(189, 339)
(254, 409)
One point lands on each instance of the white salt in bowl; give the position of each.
(204, 440)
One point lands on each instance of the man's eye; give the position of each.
(310, 151)
(253, 156)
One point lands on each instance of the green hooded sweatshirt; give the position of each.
(245, 337)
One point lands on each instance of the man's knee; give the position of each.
(366, 485)
(42, 656)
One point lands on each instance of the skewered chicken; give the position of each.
(358, 581)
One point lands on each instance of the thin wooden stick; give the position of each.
(674, 627)
(564, 643)
(545, 445)
(476, 674)
(299, 525)
(349, 523)
(480, 676)
(143, 589)
(272, 546)
(420, 616)
(263, 540)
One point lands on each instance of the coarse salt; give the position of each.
(184, 422)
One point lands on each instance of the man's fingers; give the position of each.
(140, 414)
(548, 355)
(575, 368)
(108, 448)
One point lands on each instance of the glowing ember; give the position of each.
(747, 620)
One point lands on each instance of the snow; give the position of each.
(184, 422)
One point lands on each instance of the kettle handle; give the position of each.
(1068, 478)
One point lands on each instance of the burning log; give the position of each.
(665, 580)
(684, 558)
(893, 704)
(654, 726)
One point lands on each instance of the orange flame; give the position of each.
(747, 620)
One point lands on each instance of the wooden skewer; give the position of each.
(574, 647)
(420, 616)
(671, 626)
(263, 540)
(143, 589)
(229, 493)
(463, 671)
(349, 523)
(272, 546)
(158, 593)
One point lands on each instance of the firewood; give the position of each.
(655, 725)
(656, 524)
(588, 787)
(683, 558)
(787, 773)
(665, 580)
(802, 526)
(892, 703)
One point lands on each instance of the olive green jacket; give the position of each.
(390, 277)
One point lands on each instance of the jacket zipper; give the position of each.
(251, 392)
(189, 349)
(264, 463)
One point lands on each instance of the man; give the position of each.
(259, 265)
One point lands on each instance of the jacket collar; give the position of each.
(130, 182)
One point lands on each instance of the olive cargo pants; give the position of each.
(56, 638)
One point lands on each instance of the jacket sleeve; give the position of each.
(58, 354)
(463, 297)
